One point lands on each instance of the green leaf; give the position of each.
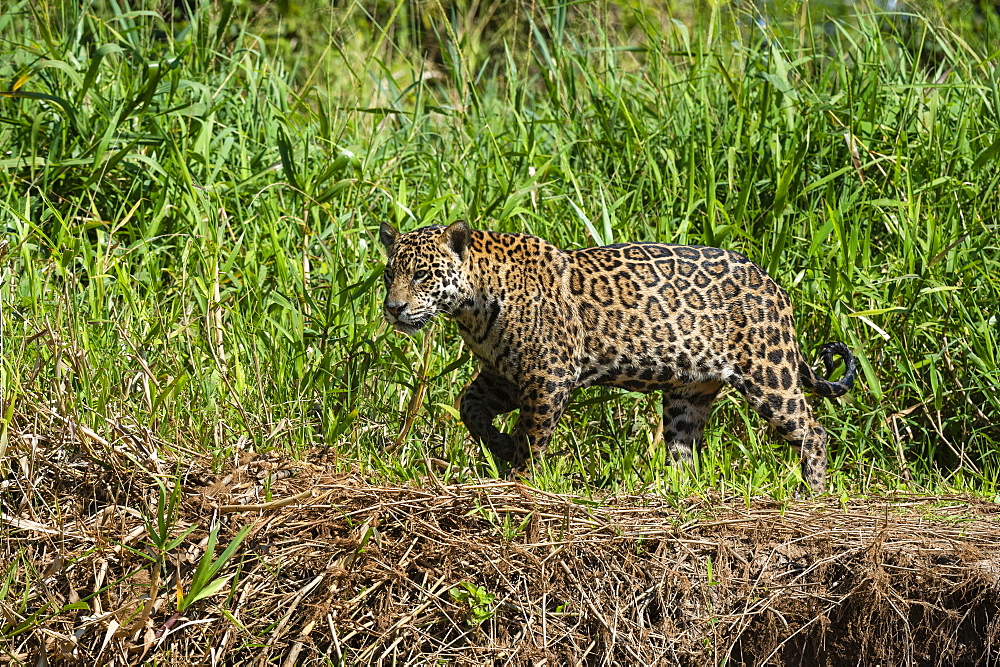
(94, 68)
(209, 590)
(988, 154)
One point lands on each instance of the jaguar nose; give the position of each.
(396, 308)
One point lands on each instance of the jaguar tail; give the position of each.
(823, 387)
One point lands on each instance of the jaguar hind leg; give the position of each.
(685, 412)
(784, 406)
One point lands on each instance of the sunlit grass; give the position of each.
(189, 213)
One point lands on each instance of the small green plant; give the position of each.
(708, 571)
(505, 523)
(17, 617)
(160, 525)
(204, 583)
(20, 612)
(478, 601)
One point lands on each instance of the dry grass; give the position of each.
(189, 266)
(339, 567)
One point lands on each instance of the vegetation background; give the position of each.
(190, 312)
(189, 195)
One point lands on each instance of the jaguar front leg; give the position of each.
(487, 397)
(543, 400)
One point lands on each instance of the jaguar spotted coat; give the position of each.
(640, 316)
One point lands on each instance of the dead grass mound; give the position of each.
(489, 573)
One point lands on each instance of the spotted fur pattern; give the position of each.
(683, 320)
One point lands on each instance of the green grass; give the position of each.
(190, 210)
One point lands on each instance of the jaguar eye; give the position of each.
(419, 275)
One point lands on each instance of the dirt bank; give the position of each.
(495, 572)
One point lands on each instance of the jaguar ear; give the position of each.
(456, 235)
(387, 235)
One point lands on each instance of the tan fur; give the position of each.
(641, 316)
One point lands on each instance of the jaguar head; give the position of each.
(423, 273)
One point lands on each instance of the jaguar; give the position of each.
(542, 321)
